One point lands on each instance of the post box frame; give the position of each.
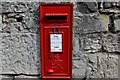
(42, 46)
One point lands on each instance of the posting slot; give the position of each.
(56, 18)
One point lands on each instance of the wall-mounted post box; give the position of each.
(56, 40)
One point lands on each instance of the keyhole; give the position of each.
(55, 29)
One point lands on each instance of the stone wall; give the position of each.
(96, 40)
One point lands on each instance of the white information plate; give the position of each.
(56, 42)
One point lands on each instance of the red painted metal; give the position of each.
(56, 19)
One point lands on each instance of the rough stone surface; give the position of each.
(105, 19)
(90, 42)
(110, 43)
(21, 22)
(115, 22)
(89, 24)
(119, 40)
(75, 43)
(118, 4)
(22, 77)
(19, 7)
(0, 7)
(107, 5)
(2, 77)
(117, 25)
(20, 53)
(79, 59)
(87, 7)
(0, 23)
(79, 69)
(110, 5)
(0, 54)
(103, 65)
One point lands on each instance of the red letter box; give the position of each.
(56, 40)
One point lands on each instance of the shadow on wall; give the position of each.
(37, 13)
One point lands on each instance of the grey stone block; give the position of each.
(79, 69)
(27, 79)
(112, 66)
(93, 68)
(24, 77)
(19, 7)
(20, 53)
(0, 23)
(107, 5)
(119, 40)
(118, 4)
(0, 7)
(21, 22)
(76, 43)
(105, 20)
(89, 24)
(110, 43)
(110, 5)
(117, 24)
(0, 77)
(102, 65)
(6, 77)
(80, 55)
(87, 7)
(0, 53)
(90, 42)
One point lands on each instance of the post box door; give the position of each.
(56, 40)
(56, 52)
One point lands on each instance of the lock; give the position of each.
(56, 40)
(55, 29)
